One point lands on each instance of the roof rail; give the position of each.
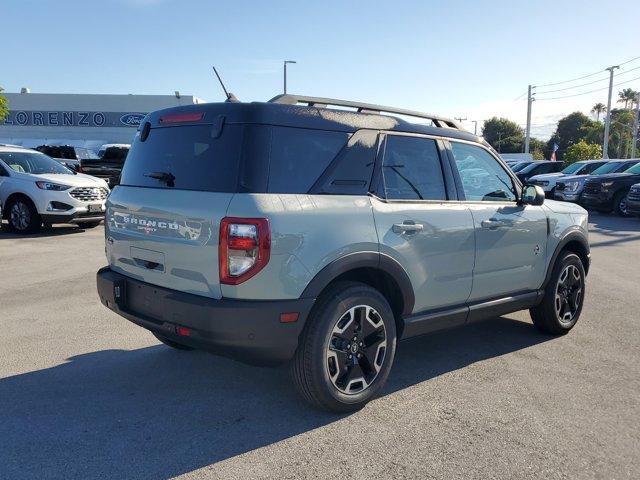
(320, 102)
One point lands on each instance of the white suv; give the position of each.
(35, 189)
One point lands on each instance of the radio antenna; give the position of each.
(230, 96)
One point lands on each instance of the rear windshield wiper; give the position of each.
(165, 177)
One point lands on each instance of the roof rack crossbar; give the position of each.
(320, 102)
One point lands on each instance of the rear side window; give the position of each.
(198, 157)
(411, 169)
(298, 156)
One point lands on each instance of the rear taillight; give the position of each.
(245, 247)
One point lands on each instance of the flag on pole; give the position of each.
(553, 153)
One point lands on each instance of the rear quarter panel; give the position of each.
(307, 233)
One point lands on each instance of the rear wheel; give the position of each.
(171, 343)
(563, 297)
(620, 205)
(347, 348)
(23, 216)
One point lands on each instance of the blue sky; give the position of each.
(456, 58)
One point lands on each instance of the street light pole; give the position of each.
(475, 127)
(285, 74)
(636, 122)
(527, 137)
(607, 122)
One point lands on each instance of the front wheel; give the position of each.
(620, 204)
(23, 216)
(563, 297)
(347, 348)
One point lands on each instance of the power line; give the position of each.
(584, 76)
(588, 83)
(590, 91)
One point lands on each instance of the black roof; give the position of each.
(316, 113)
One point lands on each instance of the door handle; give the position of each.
(407, 227)
(492, 224)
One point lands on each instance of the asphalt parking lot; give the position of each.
(85, 394)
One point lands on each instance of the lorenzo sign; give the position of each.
(33, 118)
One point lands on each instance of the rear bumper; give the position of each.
(246, 330)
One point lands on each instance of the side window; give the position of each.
(298, 156)
(483, 178)
(350, 172)
(411, 169)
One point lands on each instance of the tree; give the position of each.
(537, 147)
(599, 109)
(4, 109)
(627, 96)
(582, 151)
(621, 133)
(503, 135)
(570, 130)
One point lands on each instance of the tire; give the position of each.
(171, 343)
(559, 315)
(620, 204)
(330, 369)
(23, 216)
(88, 225)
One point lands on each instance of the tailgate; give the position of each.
(166, 237)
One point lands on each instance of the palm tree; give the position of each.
(626, 96)
(598, 109)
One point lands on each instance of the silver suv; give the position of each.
(294, 231)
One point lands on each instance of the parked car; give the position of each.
(108, 164)
(538, 168)
(548, 181)
(569, 189)
(607, 193)
(68, 155)
(633, 200)
(517, 166)
(36, 189)
(291, 231)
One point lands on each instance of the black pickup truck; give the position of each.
(608, 193)
(68, 155)
(108, 164)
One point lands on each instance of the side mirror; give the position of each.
(532, 195)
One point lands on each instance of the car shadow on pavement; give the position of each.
(54, 231)
(618, 230)
(156, 412)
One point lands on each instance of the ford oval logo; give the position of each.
(132, 119)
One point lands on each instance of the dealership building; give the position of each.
(78, 119)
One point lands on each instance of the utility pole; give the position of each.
(527, 137)
(475, 127)
(636, 125)
(460, 119)
(499, 142)
(607, 121)
(285, 73)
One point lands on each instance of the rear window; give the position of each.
(246, 158)
(114, 154)
(196, 156)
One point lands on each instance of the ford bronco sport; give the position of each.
(294, 231)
